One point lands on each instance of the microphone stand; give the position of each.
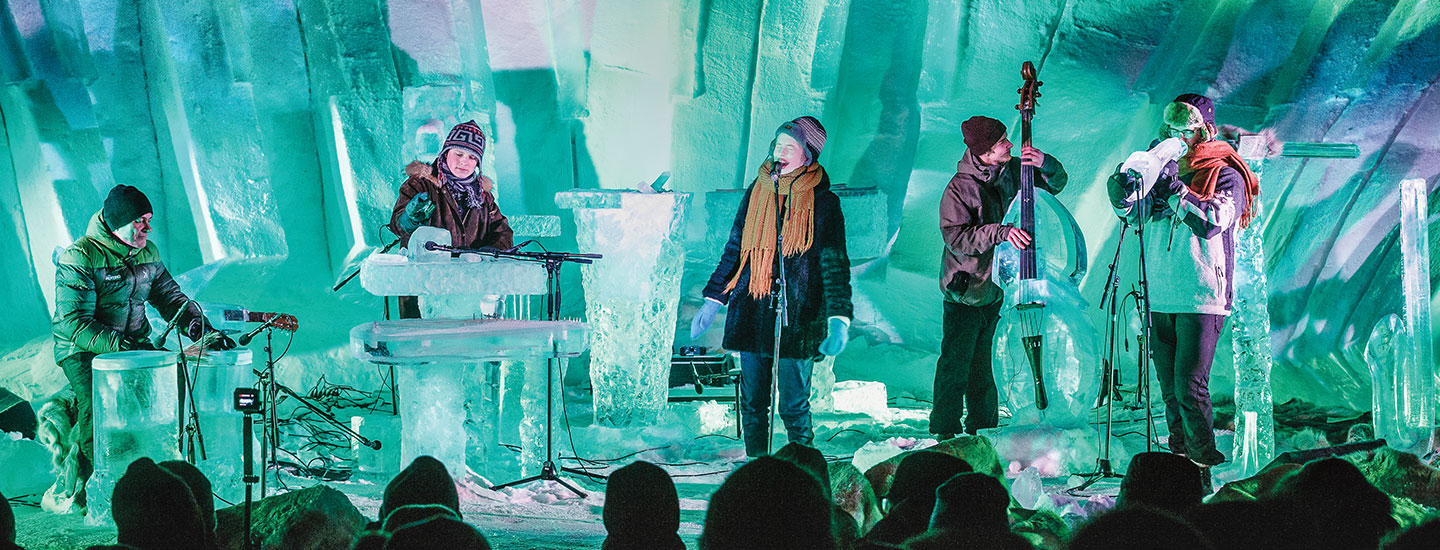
(779, 303)
(552, 261)
(1109, 385)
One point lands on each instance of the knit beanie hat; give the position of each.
(199, 489)
(972, 502)
(1190, 111)
(808, 131)
(1163, 481)
(981, 133)
(642, 508)
(124, 205)
(424, 481)
(921, 472)
(153, 508)
(466, 135)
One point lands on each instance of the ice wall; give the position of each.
(271, 134)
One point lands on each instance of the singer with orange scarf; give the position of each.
(811, 237)
(1198, 205)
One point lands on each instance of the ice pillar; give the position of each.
(1416, 380)
(134, 399)
(630, 295)
(433, 412)
(1250, 329)
(1386, 353)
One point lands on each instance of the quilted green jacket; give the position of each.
(101, 286)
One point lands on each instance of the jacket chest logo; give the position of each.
(112, 277)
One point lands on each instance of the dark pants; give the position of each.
(963, 375)
(77, 371)
(409, 306)
(794, 409)
(1184, 347)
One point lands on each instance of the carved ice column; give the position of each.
(631, 295)
(1250, 328)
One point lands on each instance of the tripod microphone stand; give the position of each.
(1110, 301)
(551, 261)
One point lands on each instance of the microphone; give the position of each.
(244, 339)
(517, 247)
(774, 170)
(1145, 166)
(159, 341)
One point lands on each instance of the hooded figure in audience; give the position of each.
(912, 497)
(200, 489)
(972, 505)
(642, 509)
(1344, 509)
(1164, 481)
(768, 504)
(436, 532)
(1138, 528)
(424, 481)
(154, 509)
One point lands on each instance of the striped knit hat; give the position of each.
(807, 130)
(467, 135)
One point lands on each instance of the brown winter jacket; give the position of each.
(971, 209)
(469, 228)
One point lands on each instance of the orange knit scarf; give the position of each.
(757, 240)
(1207, 159)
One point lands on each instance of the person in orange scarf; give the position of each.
(811, 237)
(1196, 208)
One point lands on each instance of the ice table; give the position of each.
(631, 296)
(135, 397)
(217, 374)
(431, 357)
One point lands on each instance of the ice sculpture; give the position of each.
(396, 275)
(630, 295)
(134, 409)
(1386, 353)
(1417, 379)
(217, 374)
(1250, 329)
(862, 397)
(432, 358)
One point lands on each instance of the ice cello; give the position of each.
(1416, 381)
(432, 358)
(135, 397)
(630, 296)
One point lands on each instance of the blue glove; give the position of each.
(839, 335)
(702, 320)
(417, 211)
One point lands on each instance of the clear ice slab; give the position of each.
(432, 359)
(135, 398)
(631, 295)
(397, 275)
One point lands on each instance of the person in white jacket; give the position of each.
(1195, 210)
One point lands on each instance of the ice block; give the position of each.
(1386, 352)
(529, 226)
(432, 358)
(396, 275)
(1250, 328)
(135, 397)
(217, 374)
(1417, 379)
(630, 295)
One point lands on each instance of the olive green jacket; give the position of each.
(101, 287)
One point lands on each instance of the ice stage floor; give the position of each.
(545, 515)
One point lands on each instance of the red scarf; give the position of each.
(1207, 159)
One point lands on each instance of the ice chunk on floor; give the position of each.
(863, 397)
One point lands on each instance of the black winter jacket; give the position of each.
(817, 286)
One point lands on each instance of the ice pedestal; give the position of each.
(630, 295)
(217, 374)
(135, 397)
(432, 358)
(1250, 326)
(1416, 380)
